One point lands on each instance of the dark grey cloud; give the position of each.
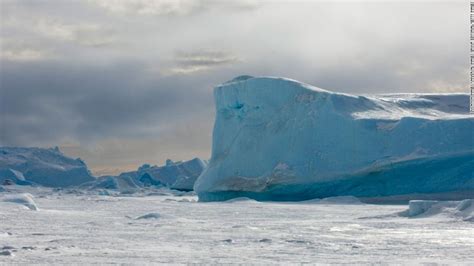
(121, 83)
(85, 102)
(55, 103)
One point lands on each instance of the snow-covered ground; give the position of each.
(74, 226)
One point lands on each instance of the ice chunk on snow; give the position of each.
(427, 208)
(417, 207)
(24, 199)
(279, 139)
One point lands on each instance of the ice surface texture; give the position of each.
(47, 167)
(279, 139)
(86, 228)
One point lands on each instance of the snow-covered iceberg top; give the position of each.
(280, 139)
(47, 167)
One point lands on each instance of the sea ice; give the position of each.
(89, 228)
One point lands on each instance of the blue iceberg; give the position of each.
(179, 175)
(45, 167)
(280, 139)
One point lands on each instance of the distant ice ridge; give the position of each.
(279, 139)
(176, 175)
(51, 168)
(47, 167)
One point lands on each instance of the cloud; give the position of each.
(148, 7)
(20, 50)
(171, 7)
(191, 62)
(101, 114)
(21, 54)
(36, 24)
(49, 100)
(87, 34)
(205, 58)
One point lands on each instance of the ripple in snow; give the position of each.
(240, 199)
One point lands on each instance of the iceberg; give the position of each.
(280, 139)
(120, 183)
(169, 173)
(46, 167)
(9, 176)
(175, 175)
(191, 171)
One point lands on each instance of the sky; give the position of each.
(121, 83)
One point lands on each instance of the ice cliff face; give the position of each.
(47, 167)
(279, 139)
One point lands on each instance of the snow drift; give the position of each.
(47, 167)
(25, 199)
(279, 139)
